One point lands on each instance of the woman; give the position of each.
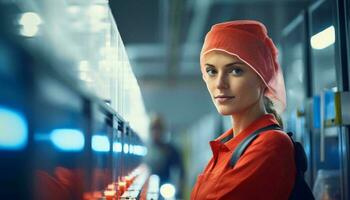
(239, 66)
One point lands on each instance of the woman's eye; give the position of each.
(211, 72)
(237, 71)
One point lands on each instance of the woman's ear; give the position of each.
(263, 88)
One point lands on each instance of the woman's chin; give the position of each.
(225, 111)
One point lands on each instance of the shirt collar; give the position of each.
(231, 142)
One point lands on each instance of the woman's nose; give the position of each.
(222, 82)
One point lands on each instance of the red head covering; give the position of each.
(248, 40)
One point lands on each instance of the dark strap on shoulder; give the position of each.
(246, 142)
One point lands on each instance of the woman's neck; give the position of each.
(243, 119)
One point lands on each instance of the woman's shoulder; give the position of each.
(274, 138)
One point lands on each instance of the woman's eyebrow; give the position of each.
(227, 65)
(233, 63)
(209, 65)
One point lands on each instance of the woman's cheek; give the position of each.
(246, 92)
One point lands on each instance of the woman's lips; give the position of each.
(224, 99)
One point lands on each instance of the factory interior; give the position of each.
(106, 99)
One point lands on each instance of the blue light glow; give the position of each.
(316, 111)
(13, 130)
(329, 107)
(100, 143)
(117, 147)
(131, 149)
(68, 139)
(126, 148)
(39, 137)
(139, 150)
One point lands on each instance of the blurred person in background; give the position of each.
(163, 158)
(240, 69)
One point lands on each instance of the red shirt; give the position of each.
(265, 171)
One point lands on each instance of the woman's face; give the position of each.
(233, 85)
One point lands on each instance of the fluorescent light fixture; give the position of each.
(167, 190)
(85, 76)
(83, 66)
(126, 148)
(29, 31)
(30, 19)
(30, 22)
(105, 66)
(97, 26)
(131, 149)
(323, 39)
(13, 130)
(108, 51)
(153, 183)
(100, 143)
(68, 139)
(139, 150)
(73, 9)
(97, 12)
(117, 147)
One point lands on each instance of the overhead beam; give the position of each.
(256, 1)
(201, 10)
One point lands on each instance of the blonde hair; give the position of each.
(270, 109)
